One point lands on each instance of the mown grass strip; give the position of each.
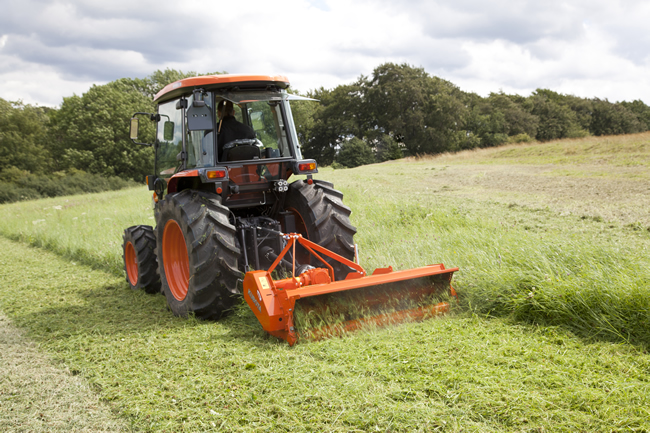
(36, 396)
(631, 150)
(84, 228)
(454, 374)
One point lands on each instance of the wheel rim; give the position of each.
(175, 260)
(131, 262)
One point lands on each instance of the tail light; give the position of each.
(305, 167)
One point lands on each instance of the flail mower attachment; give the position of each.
(328, 307)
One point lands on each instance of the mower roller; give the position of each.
(229, 222)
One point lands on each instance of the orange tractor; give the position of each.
(229, 224)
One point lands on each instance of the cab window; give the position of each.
(169, 139)
(268, 123)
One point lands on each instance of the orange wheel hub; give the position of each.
(131, 262)
(175, 260)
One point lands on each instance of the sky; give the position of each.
(596, 48)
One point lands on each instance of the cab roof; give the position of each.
(224, 81)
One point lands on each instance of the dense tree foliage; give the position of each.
(91, 132)
(418, 113)
(354, 152)
(398, 110)
(81, 147)
(642, 112)
(23, 137)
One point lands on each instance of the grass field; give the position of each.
(551, 333)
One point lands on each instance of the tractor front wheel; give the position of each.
(198, 254)
(139, 253)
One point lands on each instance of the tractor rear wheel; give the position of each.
(322, 218)
(198, 254)
(139, 253)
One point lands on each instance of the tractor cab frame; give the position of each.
(245, 172)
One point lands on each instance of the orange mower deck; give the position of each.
(386, 296)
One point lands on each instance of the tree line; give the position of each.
(401, 110)
(84, 145)
(398, 110)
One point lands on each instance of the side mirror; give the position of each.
(133, 131)
(134, 126)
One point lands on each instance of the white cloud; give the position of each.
(589, 48)
(37, 84)
(587, 67)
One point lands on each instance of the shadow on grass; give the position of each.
(62, 303)
(114, 311)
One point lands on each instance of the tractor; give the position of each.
(229, 223)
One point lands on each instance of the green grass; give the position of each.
(38, 396)
(551, 333)
(460, 373)
(84, 228)
(531, 265)
(617, 151)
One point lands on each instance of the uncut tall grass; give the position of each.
(85, 228)
(531, 265)
(528, 264)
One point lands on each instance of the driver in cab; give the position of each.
(230, 128)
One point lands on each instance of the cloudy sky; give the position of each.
(50, 49)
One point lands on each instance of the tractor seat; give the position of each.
(241, 152)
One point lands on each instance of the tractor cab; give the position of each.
(192, 150)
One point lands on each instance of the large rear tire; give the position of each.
(139, 253)
(198, 254)
(322, 218)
